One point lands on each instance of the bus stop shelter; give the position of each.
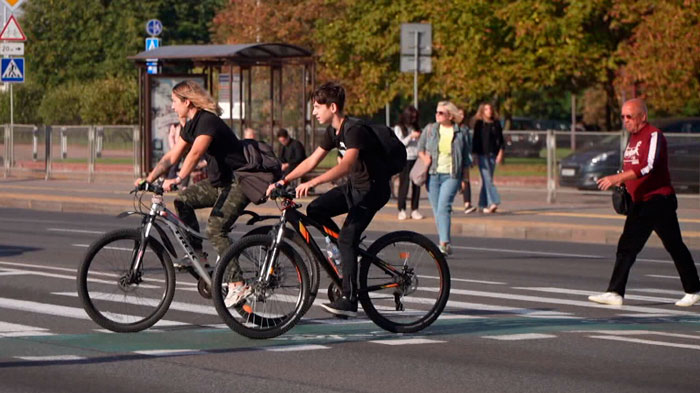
(264, 86)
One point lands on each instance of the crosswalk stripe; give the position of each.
(407, 341)
(578, 303)
(294, 348)
(8, 329)
(662, 276)
(170, 352)
(640, 333)
(586, 293)
(61, 311)
(179, 306)
(518, 337)
(648, 342)
(50, 358)
(74, 230)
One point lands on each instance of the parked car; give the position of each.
(584, 167)
(523, 144)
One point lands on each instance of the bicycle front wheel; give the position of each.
(273, 306)
(113, 295)
(404, 283)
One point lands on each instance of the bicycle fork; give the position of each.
(273, 252)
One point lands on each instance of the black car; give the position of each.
(523, 144)
(582, 168)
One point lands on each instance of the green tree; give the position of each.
(62, 104)
(26, 99)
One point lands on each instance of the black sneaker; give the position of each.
(342, 306)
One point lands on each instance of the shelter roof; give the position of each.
(241, 52)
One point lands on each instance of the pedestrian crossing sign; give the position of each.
(12, 70)
(152, 43)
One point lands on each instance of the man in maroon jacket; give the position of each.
(645, 174)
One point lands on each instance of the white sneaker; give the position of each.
(610, 298)
(237, 294)
(469, 209)
(688, 300)
(402, 214)
(416, 215)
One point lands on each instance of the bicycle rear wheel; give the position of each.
(115, 298)
(274, 306)
(405, 283)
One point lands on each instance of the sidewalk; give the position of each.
(523, 214)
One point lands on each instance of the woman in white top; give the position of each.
(408, 131)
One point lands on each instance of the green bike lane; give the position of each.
(681, 331)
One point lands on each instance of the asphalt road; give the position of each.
(518, 320)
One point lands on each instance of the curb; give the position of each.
(474, 226)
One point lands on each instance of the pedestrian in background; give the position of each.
(445, 147)
(292, 152)
(249, 133)
(466, 188)
(488, 149)
(408, 132)
(645, 174)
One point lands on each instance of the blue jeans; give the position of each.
(489, 195)
(442, 189)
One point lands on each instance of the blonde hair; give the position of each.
(452, 109)
(199, 98)
(480, 112)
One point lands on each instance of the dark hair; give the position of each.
(282, 133)
(330, 93)
(409, 117)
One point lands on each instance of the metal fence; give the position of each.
(564, 163)
(558, 161)
(83, 150)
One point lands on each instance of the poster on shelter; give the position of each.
(163, 118)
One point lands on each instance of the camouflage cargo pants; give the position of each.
(227, 204)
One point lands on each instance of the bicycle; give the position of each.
(141, 266)
(393, 269)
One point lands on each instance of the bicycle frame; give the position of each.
(157, 214)
(301, 223)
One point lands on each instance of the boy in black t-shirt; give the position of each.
(366, 191)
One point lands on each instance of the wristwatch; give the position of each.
(178, 179)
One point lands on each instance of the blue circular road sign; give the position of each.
(154, 27)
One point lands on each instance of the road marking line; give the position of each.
(12, 273)
(75, 272)
(658, 315)
(294, 348)
(179, 306)
(648, 342)
(74, 230)
(586, 293)
(662, 276)
(62, 311)
(655, 290)
(170, 352)
(518, 337)
(50, 358)
(578, 303)
(407, 341)
(464, 280)
(508, 251)
(639, 333)
(8, 329)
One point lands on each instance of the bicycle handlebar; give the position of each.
(283, 192)
(155, 187)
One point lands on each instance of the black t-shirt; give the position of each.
(225, 153)
(369, 167)
(292, 154)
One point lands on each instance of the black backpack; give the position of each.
(261, 157)
(394, 149)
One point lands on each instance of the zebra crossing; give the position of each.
(57, 329)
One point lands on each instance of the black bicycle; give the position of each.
(404, 280)
(126, 282)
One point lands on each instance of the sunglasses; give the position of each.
(628, 117)
(441, 113)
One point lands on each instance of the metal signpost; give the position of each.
(416, 49)
(11, 68)
(153, 27)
